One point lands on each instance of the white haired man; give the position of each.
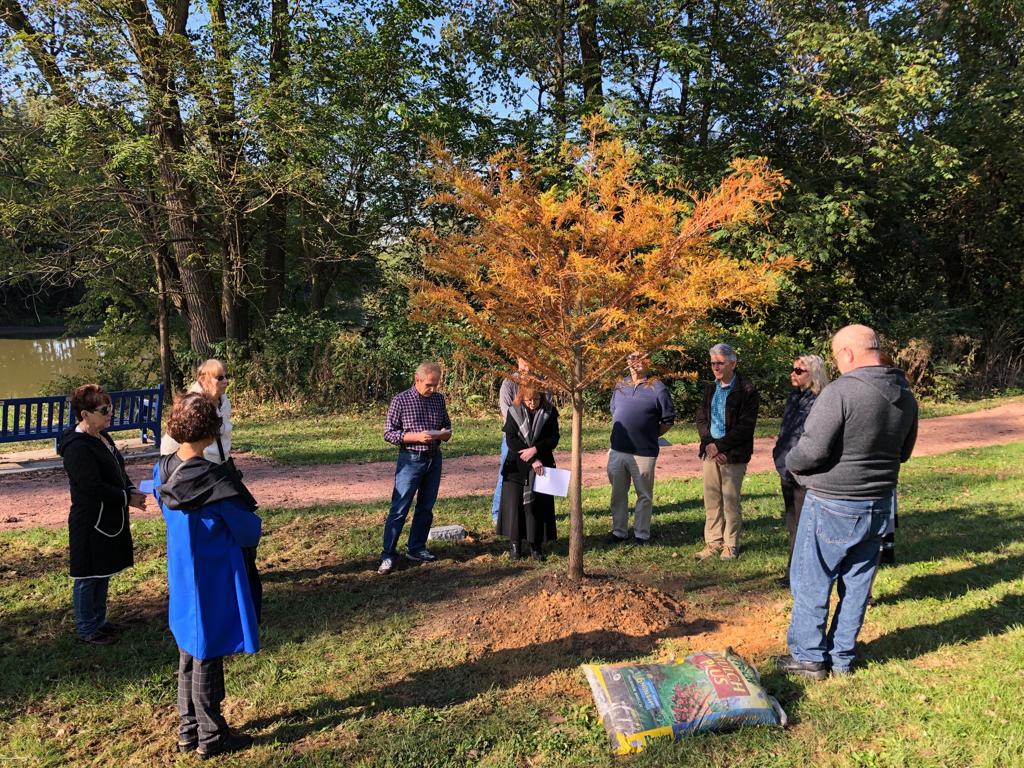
(725, 422)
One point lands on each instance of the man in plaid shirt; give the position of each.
(417, 422)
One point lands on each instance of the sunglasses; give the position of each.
(103, 410)
(223, 377)
(799, 371)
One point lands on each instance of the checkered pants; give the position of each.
(200, 693)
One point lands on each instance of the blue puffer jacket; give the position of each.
(798, 405)
(211, 610)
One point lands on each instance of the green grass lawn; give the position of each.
(358, 438)
(347, 676)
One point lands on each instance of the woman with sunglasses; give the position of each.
(100, 538)
(808, 377)
(211, 379)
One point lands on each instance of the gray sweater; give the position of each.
(861, 428)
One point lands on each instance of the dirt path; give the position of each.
(42, 500)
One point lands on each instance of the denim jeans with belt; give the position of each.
(837, 541)
(89, 597)
(419, 475)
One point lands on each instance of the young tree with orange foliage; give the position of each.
(575, 277)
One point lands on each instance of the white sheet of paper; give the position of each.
(554, 482)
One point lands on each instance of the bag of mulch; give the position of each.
(708, 691)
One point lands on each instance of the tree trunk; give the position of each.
(591, 74)
(576, 478)
(274, 264)
(709, 75)
(162, 324)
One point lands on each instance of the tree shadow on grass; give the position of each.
(958, 583)
(446, 686)
(957, 531)
(911, 642)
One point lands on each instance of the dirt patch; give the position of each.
(598, 617)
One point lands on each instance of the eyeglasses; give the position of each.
(799, 371)
(103, 410)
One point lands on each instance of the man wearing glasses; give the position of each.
(725, 423)
(860, 429)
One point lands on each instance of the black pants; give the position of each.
(793, 497)
(200, 693)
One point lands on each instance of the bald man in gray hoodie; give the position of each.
(860, 429)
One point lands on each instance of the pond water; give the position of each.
(29, 363)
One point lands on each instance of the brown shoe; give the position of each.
(730, 553)
(705, 553)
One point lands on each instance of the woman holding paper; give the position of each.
(531, 432)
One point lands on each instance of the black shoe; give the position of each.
(230, 742)
(613, 539)
(782, 581)
(112, 628)
(421, 556)
(100, 637)
(187, 746)
(815, 670)
(640, 542)
(513, 552)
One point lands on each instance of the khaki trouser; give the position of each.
(623, 468)
(723, 518)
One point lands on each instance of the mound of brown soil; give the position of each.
(600, 617)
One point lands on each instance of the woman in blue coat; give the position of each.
(210, 517)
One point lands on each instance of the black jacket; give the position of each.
(100, 536)
(740, 420)
(798, 405)
(546, 440)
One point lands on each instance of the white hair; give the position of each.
(724, 350)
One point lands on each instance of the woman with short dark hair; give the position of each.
(99, 533)
(210, 517)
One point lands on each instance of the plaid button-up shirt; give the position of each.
(411, 412)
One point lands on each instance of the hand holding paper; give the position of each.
(554, 482)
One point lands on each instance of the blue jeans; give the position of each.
(89, 597)
(496, 500)
(837, 541)
(419, 475)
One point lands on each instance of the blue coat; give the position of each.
(210, 610)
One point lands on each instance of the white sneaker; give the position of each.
(387, 565)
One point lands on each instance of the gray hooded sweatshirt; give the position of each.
(861, 428)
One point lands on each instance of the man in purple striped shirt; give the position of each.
(417, 422)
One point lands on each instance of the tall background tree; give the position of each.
(237, 161)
